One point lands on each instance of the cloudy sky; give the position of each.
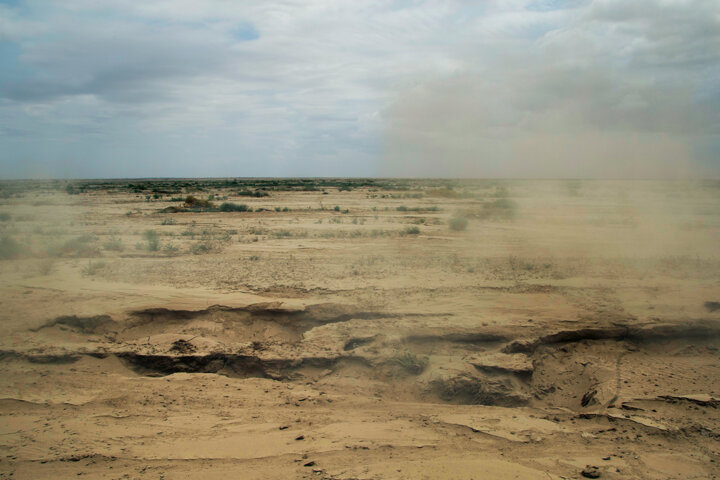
(516, 88)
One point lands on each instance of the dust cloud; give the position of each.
(550, 125)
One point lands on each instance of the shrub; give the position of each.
(499, 209)
(256, 193)
(113, 243)
(210, 241)
(445, 192)
(201, 247)
(193, 202)
(81, 246)
(336, 208)
(93, 268)
(9, 248)
(168, 221)
(410, 362)
(170, 249)
(234, 207)
(412, 230)
(458, 224)
(403, 208)
(153, 242)
(46, 266)
(502, 208)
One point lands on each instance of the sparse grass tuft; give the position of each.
(170, 249)
(210, 241)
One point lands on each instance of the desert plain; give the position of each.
(359, 329)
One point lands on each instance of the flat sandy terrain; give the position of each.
(354, 330)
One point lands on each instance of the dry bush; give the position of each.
(234, 207)
(194, 202)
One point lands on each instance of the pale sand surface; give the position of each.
(576, 328)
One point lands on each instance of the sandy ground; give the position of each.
(570, 331)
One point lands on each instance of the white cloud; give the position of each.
(345, 87)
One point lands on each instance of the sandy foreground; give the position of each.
(346, 331)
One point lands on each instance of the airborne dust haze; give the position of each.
(360, 239)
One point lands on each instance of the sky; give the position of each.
(402, 88)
